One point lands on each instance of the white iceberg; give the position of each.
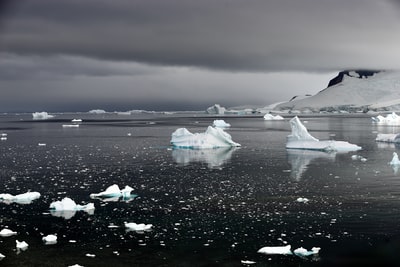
(41, 116)
(302, 252)
(114, 191)
(25, 198)
(282, 250)
(50, 239)
(97, 111)
(221, 124)
(212, 138)
(67, 207)
(70, 125)
(215, 157)
(216, 109)
(395, 160)
(302, 200)
(270, 117)
(301, 139)
(390, 119)
(388, 138)
(2, 256)
(247, 262)
(76, 120)
(138, 227)
(21, 245)
(7, 232)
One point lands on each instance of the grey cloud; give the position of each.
(235, 35)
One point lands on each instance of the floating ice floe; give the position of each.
(247, 262)
(76, 265)
(270, 117)
(212, 138)
(140, 227)
(21, 245)
(302, 252)
(221, 124)
(97, 111)
(390, 119)
(282, 250)
(50, 239)
(7, 232)
(76, 120)
(301, 139)
(388, 138)
(113, 192)
(302, 200)
(70, 125)
(3, 137)
(41, 116)
(67, 208)
(25, 198)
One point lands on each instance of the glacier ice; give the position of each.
(221, 124)
(41, 115)
(138, 227)
(214, 157)
(390, 119)
(25, 198)
(270, 117)
(212, 138)
(50, 239)
(282, 250)
(301, 139)
(113, 191)
(7, 232)
(67, 207)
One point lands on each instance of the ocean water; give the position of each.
(208, 207)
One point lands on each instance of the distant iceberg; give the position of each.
(67, 207)
(270, 117)
(301, 139)
(41, 116)
(138, 227)
(212, 138)
(390, 119)
(216, 109)
(25, 198)
(388, 138)
(7, 232)
(215, 157)
(50, 239)
(113, 192)
(97, 111)
(281, 250)
(221, 124)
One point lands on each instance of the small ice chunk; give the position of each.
(70, 125)
(25, 198)
(90, 255)
(50, 239)
(76, 120)
(69, 204)
(247, 262)
(2, 256)
(213, 137)
(3, 138)
(270, 117)
(138, 227)
(221, 124)
(302, 200)
(76, 265)
(395, 159)
(41, 116)
(301, 139)
(283, 250)
(41, 144)
(388, 138)
(21, 245)
(114, 191)
(302, 252)
(7, 232)
(97, 111)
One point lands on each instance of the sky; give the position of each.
(74, 55)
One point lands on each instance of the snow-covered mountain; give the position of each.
(353, 91)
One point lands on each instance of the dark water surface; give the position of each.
(208, 207)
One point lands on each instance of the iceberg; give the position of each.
(2, 256)
(395, 160)
(302, 252)
(41, 116)
(212, 138)
(270, 117)
(7, 232)
(215, 157)
(140, 227)
(216, 109)
(25, 198)
(50, 239)
(390, 119)
(21, 245)
(282, 250)
(97, 111)
(388, 138)
(70, 125)
(221, 124)
(301, 139)
(115, 192)
(67, 208)
(76, 120)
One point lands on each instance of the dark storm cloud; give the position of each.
(252, 35)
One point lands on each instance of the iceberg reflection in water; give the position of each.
(214, 157)
(299, 159)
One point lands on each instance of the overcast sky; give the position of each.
(75, 55)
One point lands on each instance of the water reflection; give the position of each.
(215, 157)
(300, 159)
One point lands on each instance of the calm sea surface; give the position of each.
(208, 207)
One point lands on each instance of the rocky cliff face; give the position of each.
(352, 73)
